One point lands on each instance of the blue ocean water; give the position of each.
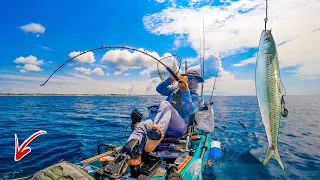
(75, 123)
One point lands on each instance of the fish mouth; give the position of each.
(267, 36)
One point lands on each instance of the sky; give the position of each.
(36, 37)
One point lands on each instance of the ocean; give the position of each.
(75, 123)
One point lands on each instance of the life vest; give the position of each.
(176, 101)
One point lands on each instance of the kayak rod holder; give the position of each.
(205, 146)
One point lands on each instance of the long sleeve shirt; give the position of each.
(190, 102)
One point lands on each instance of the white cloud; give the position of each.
(175, 3)
(88, 71)
(98, 71)
(179, 41)
(79, 76)
(229, 31)
(227, 84)
(28, 60)
(33, 28)
(77, 84)
(99, 65)
(31, 63)
(127, 74)
(117, 73)
(303, 53)
(45, 48)
(84, 58)
(32, 67)
(123, 60)
(83, 70)
(246, 62)
(154, 80)
(150, 72)
(300, 52)
(197, 2)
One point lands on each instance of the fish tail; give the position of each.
(277, 156)
(270, 153)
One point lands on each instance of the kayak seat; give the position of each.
(177, 142)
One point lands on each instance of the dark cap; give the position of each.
(193, 73)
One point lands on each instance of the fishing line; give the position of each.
(266, 19)
(215, 79)
(39, 90)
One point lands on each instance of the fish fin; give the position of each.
(269, 154)
(282, 90)
(277, 156)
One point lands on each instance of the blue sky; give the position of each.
(37, 36)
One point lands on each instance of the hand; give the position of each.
(172, 78)
(183, 85)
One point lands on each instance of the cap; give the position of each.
(193, 73)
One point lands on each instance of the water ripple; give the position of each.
(74, 124)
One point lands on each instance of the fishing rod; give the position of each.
(215, 79)
(202, 56)
(114, 47)
(204, 49)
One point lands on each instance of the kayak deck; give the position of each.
(93, 164)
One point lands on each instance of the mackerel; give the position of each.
(270, 90)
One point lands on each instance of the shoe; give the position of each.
(136, 118)
(131, 148)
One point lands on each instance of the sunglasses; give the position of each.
(190, 78)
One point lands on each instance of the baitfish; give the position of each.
(270, 92)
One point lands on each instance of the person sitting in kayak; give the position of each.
(173, 114)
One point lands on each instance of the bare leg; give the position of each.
(152, 144)
(167, 117)
(106, 159)
(140, 131)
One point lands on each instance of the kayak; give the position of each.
(183, 157)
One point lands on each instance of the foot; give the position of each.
(106, 159)
(152, 144)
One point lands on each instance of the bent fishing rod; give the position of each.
(114, 47)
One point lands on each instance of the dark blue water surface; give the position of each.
(74, 124)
